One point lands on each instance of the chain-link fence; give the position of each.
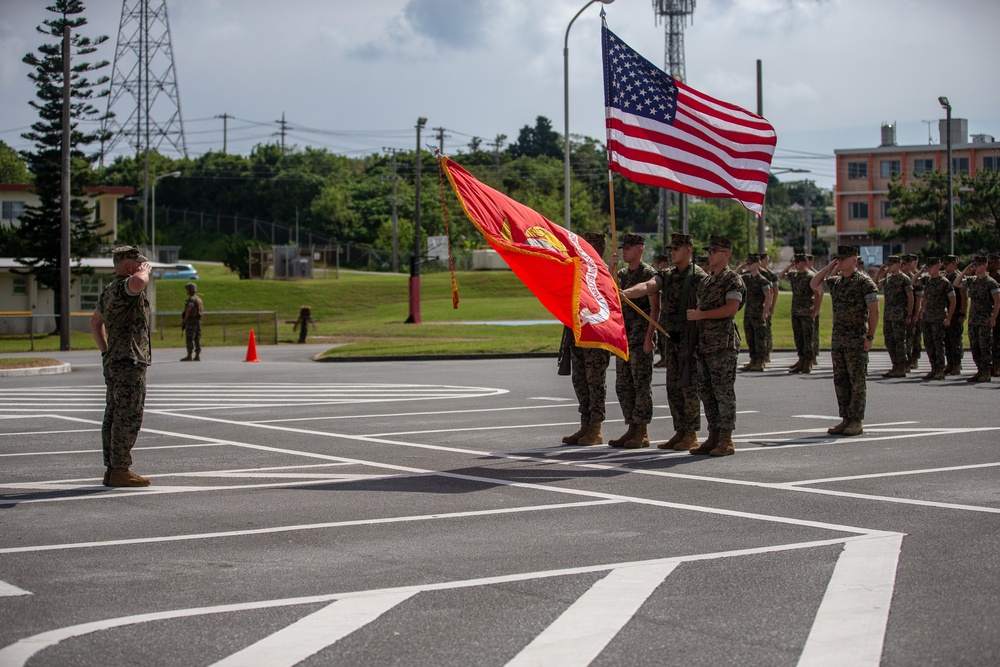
(26, 332)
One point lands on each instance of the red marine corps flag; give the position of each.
(664, 133)
(559, 267)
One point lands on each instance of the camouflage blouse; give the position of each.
(673, 305)
(850, 296)
(802, 293)
(126, 321)
(937, 294)
(758, 287)
(635, 324)
(895, 287)
(981, 291)
(713, 292)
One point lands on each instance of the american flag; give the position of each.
(664, 133)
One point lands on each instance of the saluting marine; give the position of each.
(898, 297)
(936, 314)
(984, 303)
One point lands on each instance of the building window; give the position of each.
(857, 170)
(886, 209)
(991, 163)
(960, 165)
(857, 210)
(921, 166)
(19, 285)
(11, 213)
(890, 168)
(90, 292)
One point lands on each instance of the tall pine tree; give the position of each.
(39, 232)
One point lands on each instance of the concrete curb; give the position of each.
(38, 370)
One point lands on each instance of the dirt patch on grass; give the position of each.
(27, 362)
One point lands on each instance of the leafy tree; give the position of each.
(538, 140)
(920, 208)
(40, 225)
(12, 167)
(980, 205)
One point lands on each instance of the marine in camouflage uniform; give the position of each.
(719, 298)
(954, 335)
(191, 323)
(984, 307)
(677, 288)
(765, 270)
(758, 303)
(898, 298)
(590, 377)
(938, 310)
(120, 326)
(817, 301)
(803, 297)
(855, 318)
(634, 378)
(913, 330)
(993, 268)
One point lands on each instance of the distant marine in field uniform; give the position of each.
(191, 323)
(954, 334)
(678, 288)
(590, 377)
(634, 378)
(720, 296)
(984, 307)
(765, 269)
(755, 314)
(803, 297)
(937, 312)
(855, 319)
(898, 297)
(120, 326)
(913, 336)
(817, 304)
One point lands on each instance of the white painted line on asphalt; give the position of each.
(549, 398)
(10, 590)
(134, 449)
(581, 632)
(304, 527)
(18, 653)
(893, 499)
(293, 644)
(425, 413)
(850, 624)
(76, 430)
(898, 473)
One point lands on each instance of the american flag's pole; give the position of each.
(607, 148)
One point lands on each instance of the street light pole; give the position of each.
(152, 217)
(414, 317)
(566, 109)
(951, 203)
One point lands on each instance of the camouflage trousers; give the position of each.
(768, 336)
(981, 342)
(913, 336)
(126, 398)
(192, 336)
(684, 406)
(850, 368)
(802, 330)
(815, 336)
(934, 343)
(996, 346)
(634, 385)
(756, 331)
(953, 343)
(590, 381)
(896, 343)
(717, 386)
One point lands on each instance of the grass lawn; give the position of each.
(364, 314)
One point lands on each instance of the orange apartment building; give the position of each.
(861, 193)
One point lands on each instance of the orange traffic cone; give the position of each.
(252, 349)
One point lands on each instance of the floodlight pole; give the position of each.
(951, 202)
(414, 317)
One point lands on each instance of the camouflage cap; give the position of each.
(753, 258)
(893, 259)
(678, 240)
(848, 251)
(933, 261)
(629, 240)
(719, 243)
(191, 287)
(979, 259)
(800, 257)
(810, 256)
(994, 257)
(908, 257)
(128, 252)
(596, 239)
(949, 259)
(763, 255)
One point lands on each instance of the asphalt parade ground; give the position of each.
(425, 513)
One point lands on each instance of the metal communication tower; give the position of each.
(144, 94)
(674, 14)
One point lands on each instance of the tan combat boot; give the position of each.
(725, 446)
(593, 436)
(747, 365)
(839, 428)
(689, 442)
(939, 374)
(197, 356)
(710, 443)
(620, 442)
(639, 440)
(757, 366)
(107, 476)
(854, 428)
(898, 371)
(674, 439)
(187, 358)
(796, 367)
(573, 439)
(956, 369)
(808, 367)
(125, 477)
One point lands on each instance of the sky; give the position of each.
(353, 77)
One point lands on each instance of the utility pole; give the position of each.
(284, 129)
(414, 317)
(497, 144)
(808, 243)
(395, 218)
(64, 226)
(441, 137)
(225, 132)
